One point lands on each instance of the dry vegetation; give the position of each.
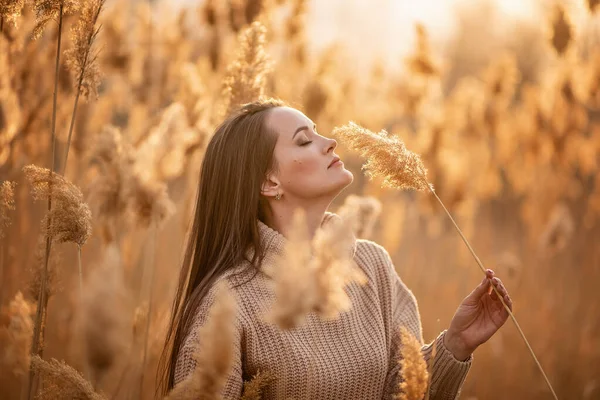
(508, 130)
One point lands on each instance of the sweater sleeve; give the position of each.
(400, 308)
(186, 360)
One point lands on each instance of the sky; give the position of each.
(385, 28)
(393, 20)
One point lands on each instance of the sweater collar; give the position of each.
(274, 242)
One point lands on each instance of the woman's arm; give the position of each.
(447, 373)
(400, 308)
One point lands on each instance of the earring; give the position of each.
(278, 196)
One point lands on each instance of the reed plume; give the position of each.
(106, 192)
(413, 368)
(366, 209)
(10, 10)
(49, 10)
(400, 168)
(422, 62)
(214, 354)
(68, 221)
(82, 61)
(70, 217)
(103, 319)
(16, 330)
(387, 157)
(334, 266)
(312, 275)
(52, 284)
(7, 203)
(295, 289)
(62, 381)
(246, 75)
(254, 388)
(561, 35)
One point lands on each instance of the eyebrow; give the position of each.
(303, 128)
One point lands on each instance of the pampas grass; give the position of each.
(214, 354)
(62, 381)
(312, 275)
(413, 368)
(103, 321)
(70, 218)
(246, 75)
(16, 331)
(365, 209)
(389, 159)
(334, 266)
(295, 290)
(82, 61)
(254, 388)
(7, 203)
(10, 10)
(68, 221)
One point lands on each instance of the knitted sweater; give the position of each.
(353, 357)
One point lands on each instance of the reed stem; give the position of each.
(40, 316)
(493, 287)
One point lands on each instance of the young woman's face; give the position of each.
(304, 157)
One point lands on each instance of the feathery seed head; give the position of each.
(70, 218)
(387, 157)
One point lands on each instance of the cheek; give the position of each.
(300, 169)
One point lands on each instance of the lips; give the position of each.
(335, 159)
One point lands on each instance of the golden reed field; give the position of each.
(106, 108)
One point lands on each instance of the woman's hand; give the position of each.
(478, 317)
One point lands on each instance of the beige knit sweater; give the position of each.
(353, 357)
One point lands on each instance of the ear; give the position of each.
(270, 186)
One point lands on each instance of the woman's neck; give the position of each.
(281, 216)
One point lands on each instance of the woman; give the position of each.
(263, 162)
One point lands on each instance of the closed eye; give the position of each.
(306, 143)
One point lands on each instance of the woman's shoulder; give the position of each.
(372, 253)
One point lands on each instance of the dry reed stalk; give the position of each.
(561, 30)
(366, 210)
(10, 10)
(68, 221)
(47, 10)
(316, 272)
(334, 265)
(16, 334)
(246, 75)
(295, 289)
(214, 354)
(388, 158)
(106, 192)
(80, 60)
(253, 389)
(430, 369)
(150, 283)
(422, 62)
(7, 203)
(64, 381)
(103, 318)
(413, 368)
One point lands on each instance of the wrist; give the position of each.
(457, 347)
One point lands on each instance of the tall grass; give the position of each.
(507, 126)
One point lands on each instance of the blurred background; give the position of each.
(500, 98)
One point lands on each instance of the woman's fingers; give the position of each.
(502, 291)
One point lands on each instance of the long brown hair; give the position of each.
(238, 158)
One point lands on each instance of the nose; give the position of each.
(331, 145)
